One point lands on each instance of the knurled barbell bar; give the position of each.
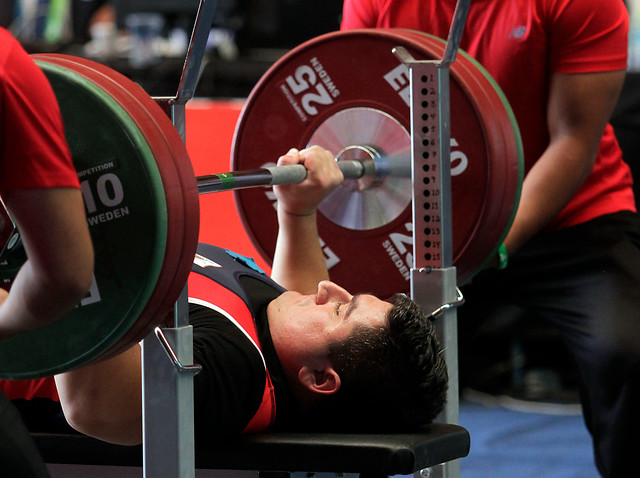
(352, 169)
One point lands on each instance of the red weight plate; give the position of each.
(171, 286)
(178, 181)
(315, 85)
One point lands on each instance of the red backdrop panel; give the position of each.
(210, 126)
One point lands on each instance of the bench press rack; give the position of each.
(168, 448)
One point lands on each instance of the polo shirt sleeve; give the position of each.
(587, 35)
(34, 153)
(359, 14)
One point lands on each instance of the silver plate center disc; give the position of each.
(365, 133)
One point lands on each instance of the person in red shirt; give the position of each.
(41, 192)
(574, 246)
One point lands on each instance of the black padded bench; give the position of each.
(373, 455)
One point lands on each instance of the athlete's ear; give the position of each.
(325, 381)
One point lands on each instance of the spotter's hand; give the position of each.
(323, 175)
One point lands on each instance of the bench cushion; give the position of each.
(382, 454)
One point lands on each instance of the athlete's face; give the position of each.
(302, 326)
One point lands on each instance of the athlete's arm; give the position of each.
(298, 262)
(104, 400)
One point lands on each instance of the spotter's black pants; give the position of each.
(585, 282)
(19, 456)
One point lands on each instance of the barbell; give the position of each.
(141, 194)
(352, 169)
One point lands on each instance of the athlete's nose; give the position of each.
(331, 292)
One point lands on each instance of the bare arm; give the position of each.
(104, 400)
(579, 108)
(298, 262)
(59, 265)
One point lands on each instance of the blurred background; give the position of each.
(520, 401)
(247, 36)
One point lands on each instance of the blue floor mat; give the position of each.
(515, 444)
(508, 443)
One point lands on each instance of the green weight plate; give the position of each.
(7, 234)
(127, 214)
(167, 144)
(179, 184)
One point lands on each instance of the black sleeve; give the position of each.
(229, 389)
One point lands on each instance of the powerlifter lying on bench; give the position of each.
(313, 358)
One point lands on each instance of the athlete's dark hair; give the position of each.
(392, 378)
